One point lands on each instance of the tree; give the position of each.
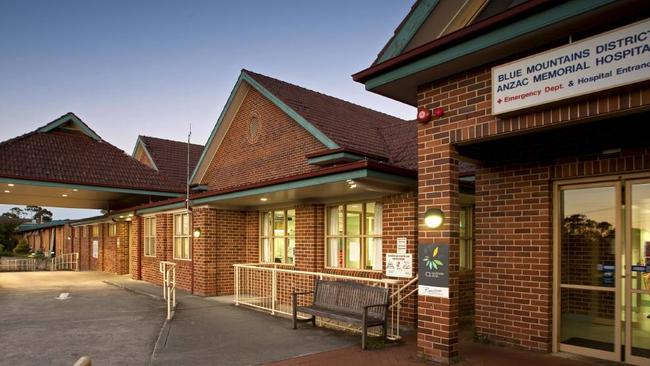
(39, 214)
(15, 213)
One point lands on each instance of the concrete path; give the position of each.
(214, 331)
(41, 325)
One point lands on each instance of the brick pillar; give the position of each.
(205, 251)
(136, 248)
(252, 251)
(438, 188)
(310, 239)
(122, 249)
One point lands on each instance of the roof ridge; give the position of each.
(325, 95)
(169, 140)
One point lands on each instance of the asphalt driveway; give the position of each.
(118, 321)
(39, 325)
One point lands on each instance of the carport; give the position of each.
(66, 164)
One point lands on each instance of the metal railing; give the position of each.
(65, 262)
(268, 287)
(168, 270)
(18, 264)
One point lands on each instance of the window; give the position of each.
(182, 236)
(466, 237)
(150, 236)
(278, 236)
(95, 231)
(84, 231)
(112, 229)
(354, 236)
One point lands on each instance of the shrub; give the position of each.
(2, 248)
(22, 247)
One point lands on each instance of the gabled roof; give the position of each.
(170, 157)
(67, 151)
(336, 123)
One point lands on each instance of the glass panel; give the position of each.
(640, 237)
(278, 223)
(588, 236)
(291, 222)
(353, 253)
(186, 248)
(587, 318)
(333, 252)
(186, 224)
(291, 249)
(370, 218)
(370, 253)
(353, 224)
(278, 250)
(640, 319)
(178, 223)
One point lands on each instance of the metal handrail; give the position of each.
(245, 293)
(260, 266)
(168, 270)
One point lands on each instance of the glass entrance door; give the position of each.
(637, 300)
(588, 253)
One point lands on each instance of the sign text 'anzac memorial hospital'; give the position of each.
(605, 61)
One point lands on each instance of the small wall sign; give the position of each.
(433, 270)
(401, 245)
(95, 248)
(399, 265)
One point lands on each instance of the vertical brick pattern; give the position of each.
(136, 247)
(513, 255)
(230, 248)
(310, 237)
(205, 251)
(279, 150)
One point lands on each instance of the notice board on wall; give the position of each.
(95, 248)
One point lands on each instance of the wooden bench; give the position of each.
(349, 302)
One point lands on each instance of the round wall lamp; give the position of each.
(434, 218)
(196, 233)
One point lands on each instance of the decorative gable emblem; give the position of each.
(254, 128)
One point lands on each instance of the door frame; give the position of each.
(558, 186)
(629, 358)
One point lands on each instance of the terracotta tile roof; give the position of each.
(70, 156)
(170, 157)
(349, 125)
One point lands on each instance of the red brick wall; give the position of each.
(230, 248)
(513, 240)
(278, 152)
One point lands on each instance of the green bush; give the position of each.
(2, 248)
(22, 247)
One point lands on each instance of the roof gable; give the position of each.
(239, 91)
(431, 19)
(67, 151)
(168, 157)
(333, 122)
(69, 122)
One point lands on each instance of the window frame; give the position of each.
(271, 237)
(363, 236)
(112, 229)
(182, 236)
(149, 240)
(95, 232)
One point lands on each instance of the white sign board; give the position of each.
(401, 245)
(399, 265)
(433, 291)
(95, 248)
(605, 61)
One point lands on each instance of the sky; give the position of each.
(153, 67)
